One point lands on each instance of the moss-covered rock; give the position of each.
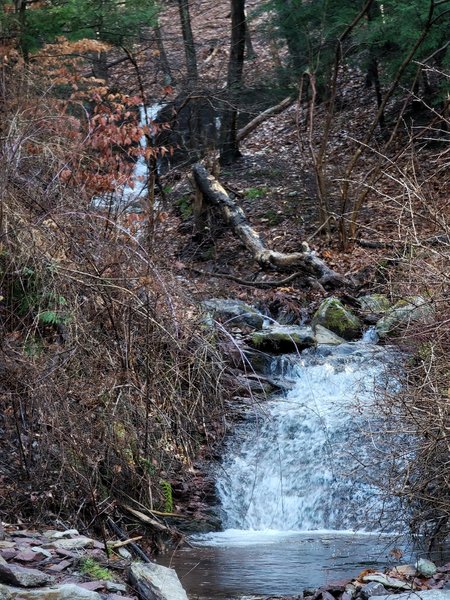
(333, 315)
(402, 313)
(375, 303)
(283, 338)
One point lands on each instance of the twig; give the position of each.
(257, 284)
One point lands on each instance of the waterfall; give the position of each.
(131, 195)
(305, 460)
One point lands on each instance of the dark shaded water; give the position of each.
(237, 563)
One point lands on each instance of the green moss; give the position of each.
(255, 193)
(184, 205)
(91, 568)
(333, 315)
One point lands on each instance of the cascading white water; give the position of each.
(296, 476)
(304, 462)
(130, 195)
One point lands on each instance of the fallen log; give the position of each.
(307, 261)
(270, 112)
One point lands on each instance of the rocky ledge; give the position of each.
(64, 565)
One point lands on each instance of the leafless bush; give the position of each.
(109, 383)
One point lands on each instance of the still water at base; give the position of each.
(234, 563)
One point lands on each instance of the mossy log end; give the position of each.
(215, 195)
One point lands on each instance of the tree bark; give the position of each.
(306, 260)
(229, 150)
(188, 40)
(163, 60)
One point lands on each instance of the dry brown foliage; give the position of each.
(109, 383)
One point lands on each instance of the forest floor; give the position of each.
(274, 180)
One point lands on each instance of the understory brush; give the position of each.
(109, 384)
(416, 400)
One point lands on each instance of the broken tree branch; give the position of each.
(270, 112)
(306, 260)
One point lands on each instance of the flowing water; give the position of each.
(299, 483)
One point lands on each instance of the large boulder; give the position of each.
(403, 312)
(333, 315)
(155, 582)
(283, 338)
(234, 312)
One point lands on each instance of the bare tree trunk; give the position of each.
(100, 65)
(249, 50)
(163, 60)
(229, 150)
(188, 40)
(306, 260)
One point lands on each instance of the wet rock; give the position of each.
(68, 591)
(234, 312)
(402, 313)
(333, 315)
(425, 567)
(322, 335)
(372, 588)
(21, 576)
(155, 582)
(387, 581)
(283, 338)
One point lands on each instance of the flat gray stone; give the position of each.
(417, 595)
(58, 535)
(71, 543)
(21, 576)
(323, 335)
(68, 591)
(155, 582)
(283, 338)
(388, 581)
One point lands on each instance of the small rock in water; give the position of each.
(425, 567)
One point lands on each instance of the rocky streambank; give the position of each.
(423, 580)
(64, 565)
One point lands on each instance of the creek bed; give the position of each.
(235, 564)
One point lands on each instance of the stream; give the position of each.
(299, 483)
